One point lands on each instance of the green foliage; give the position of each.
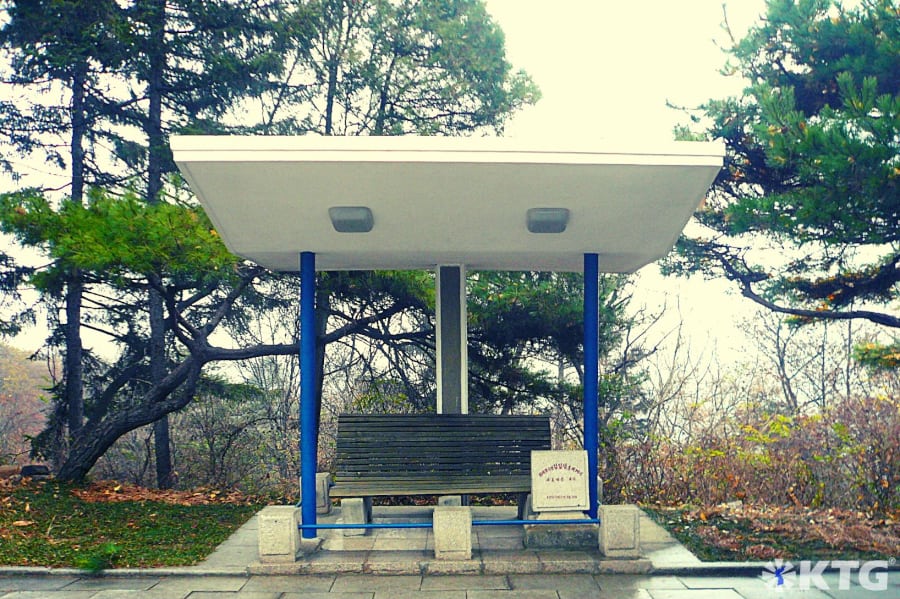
(524, 325)
(119, 237)
(812, 164)
(878, 356)
(431, 67)
(102, 558)
(385, 397)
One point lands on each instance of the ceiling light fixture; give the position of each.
(351, 219)
(548, 220)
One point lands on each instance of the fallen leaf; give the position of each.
(23, 523)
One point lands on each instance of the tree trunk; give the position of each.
(98, 436)
(74, 379)
(155, 157)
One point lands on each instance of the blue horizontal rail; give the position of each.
(530, 522)
(369, 525)
(374, 525)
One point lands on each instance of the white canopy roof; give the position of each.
(439, 200)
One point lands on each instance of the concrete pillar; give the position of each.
(452, 353)
(356, 510)
(620, 531)
(452, 532)
(279, 538)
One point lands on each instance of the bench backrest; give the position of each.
(412, 446)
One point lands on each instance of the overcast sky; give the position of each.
(606, 71)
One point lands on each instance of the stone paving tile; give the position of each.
(489, 543)
(31, 583)
(448, 567)
(510, 562)
(694, 594)
(530, 594)
(857, 592)
(45, 594)
(395, 544)
(326, 596)
(567, 562)
(621, 594)
(205, 583)
(768, 593)
(368, 583)
(285, 584)
(342, 543)
(612, 582)
(343, 559)
(138, 594)
(457, 582)
(499, 531)
(237, 595)
(98, 584)
(401, 533)
(748, 587)
(396, 567)
(665, 554)
(420, 595)
(718, 582)
(584, 582)
(229, 556)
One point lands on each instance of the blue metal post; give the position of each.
(308, 416)
(591, 372)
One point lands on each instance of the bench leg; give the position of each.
(522, 502)
(356, 510)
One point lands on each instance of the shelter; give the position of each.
(447, 204)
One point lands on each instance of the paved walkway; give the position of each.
(355, 568)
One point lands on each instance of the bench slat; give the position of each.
(430, 454)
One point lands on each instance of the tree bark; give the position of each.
(159, 401)
(155, 157)
(74, 373)
(98, 435)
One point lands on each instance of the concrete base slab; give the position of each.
(561, 536)
(309, 546)
(470, 566)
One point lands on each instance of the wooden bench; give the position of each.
(436, 454)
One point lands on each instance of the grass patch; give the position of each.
(760, 534)
(47, 524)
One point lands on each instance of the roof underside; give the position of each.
(445, 200)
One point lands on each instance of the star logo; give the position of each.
(779, 575)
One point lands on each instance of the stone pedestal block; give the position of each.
(450, 500)
(620, 531)
(323, 495)
(452, 533)
(356, 510)
(279, 538)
